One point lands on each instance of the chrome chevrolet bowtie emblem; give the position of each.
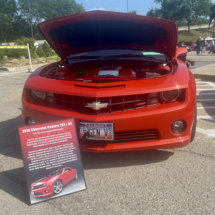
(96, 105)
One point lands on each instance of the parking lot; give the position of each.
(177, 181)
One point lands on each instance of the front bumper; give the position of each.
(158, 117)
(42, 192)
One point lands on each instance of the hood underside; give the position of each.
(101, 30)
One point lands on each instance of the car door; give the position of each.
(67, 175)
(71, 174)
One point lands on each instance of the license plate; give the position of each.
(96, 131)
(32, 192)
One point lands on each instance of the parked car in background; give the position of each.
(191, 44)
(208, 42)
(121, 77)
(182, 44)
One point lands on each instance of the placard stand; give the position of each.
(52, 160)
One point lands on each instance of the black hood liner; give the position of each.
(107, 33)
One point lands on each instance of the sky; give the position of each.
(141, 6)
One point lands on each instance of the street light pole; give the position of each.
(32, 35)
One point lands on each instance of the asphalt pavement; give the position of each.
(177, 181)
(201, 64)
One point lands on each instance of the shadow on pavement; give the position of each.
(9, 131)
(9, 142)
(122, 159)
(13, 182)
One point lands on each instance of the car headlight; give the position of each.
(44, 184)
(169, 96)
(39, 95)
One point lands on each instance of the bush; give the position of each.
(1, 54)
(7, 52)
(24, 41)
(18, 53)
(35, 55)
(47, 50)
(40, 52)
(14, 53)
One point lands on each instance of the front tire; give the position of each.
(194, 126)
(57, 187)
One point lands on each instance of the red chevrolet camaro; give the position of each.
(120, 77)
(53, 183)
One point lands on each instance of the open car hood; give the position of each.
(96, 30)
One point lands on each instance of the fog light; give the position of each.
(30, 121)
(178, 126)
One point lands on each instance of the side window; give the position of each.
(68, 169)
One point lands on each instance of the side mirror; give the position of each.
(180, 51)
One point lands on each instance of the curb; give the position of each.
(205, 77)
(3, 69)
(206, 73)
(204, 69)
(35, 66)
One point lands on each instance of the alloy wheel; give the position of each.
(58, 186)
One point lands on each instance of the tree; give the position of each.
(174, 10)
(20, 28)
(64, 7)
(42, 10)
(178, 10)
(8, 10)
(5, 26)
(133, 12)
(8, 7)
(196, 8)
(38, 9)
(155, 12)
(212, 14)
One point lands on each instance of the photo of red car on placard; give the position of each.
(53, 183)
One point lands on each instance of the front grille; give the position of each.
(115, 103)
(37, 187)
(132, 136)
(38, 194)
(136, 136)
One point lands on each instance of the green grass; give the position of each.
(2, 61)
(55, 57)
(194, 34)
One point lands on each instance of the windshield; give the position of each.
(57, 172)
